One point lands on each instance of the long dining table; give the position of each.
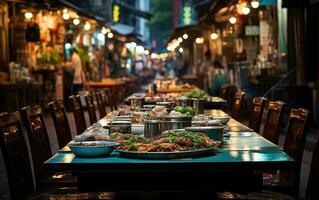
(235, 166)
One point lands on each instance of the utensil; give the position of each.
(213, 132)
(92, 148)
(167, 104)
(198, 105)
(175, 122)
(185, 102)
(224, 119)
(120, 127)
(136, 102)
(152, 128)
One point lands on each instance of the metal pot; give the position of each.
(152, 128)
(136, 102)
(213, 132)
(185, 102)
(120, 127)
(198, 105)
(167, 104)
(175, 122)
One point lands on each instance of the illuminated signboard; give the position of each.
(116, 13)
(187, 15)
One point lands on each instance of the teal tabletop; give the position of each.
(241, 150)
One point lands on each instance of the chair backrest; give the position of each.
(296, 138)
(89, 100)
(100, 104)
(223, 91)
(40, 147)
(227, 92)
(61, 123)
(238, 104)
(273, 121)
(15, 155)
(111, 99)
(78, 113)
(313, 180)
(256, 113)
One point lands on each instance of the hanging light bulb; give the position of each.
(110, 35)
(104, 30)
(255, 4)
(185, 36)
(199, 40)
(146, 52)
(245, 10)
(28, 15)
(87, 26)
(66, 16)
(214, 36)
(76, 21)
(233, 20)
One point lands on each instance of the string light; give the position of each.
(245, 10)
(214, 36)
(110, 35)
(255, 4)
(76, 21)
(105, 30)
(28, 15)
(87, 26)
(199, 40)
(147, 52)
(180, 39)
(185, 36)
(66, 16)
(181, 50)
(232, 20)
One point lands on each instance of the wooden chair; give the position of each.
(15, 155)
(61, 123)
(89, 100)
(78, 113)
(41, 150)
(111, 100)
(294, 146)
(100, 104)
(238, 104)
(38, 139)
(18, 168)
(313, 180)
(256, 113)
(289, 181)
(273, 121)
(227, 92)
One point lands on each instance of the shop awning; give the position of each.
(135, 11)
(122, 29)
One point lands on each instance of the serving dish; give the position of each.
(168, 155)
(169, 145)
(223, 119)
(92, 148)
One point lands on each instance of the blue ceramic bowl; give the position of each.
(92, 148)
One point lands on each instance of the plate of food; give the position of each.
(169, 145)
(92, 148)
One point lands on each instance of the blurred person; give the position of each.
(78, 74)
(217, 77)
(204, 68)
(170, 67)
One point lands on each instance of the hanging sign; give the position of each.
(116, 13)
(187, 15)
